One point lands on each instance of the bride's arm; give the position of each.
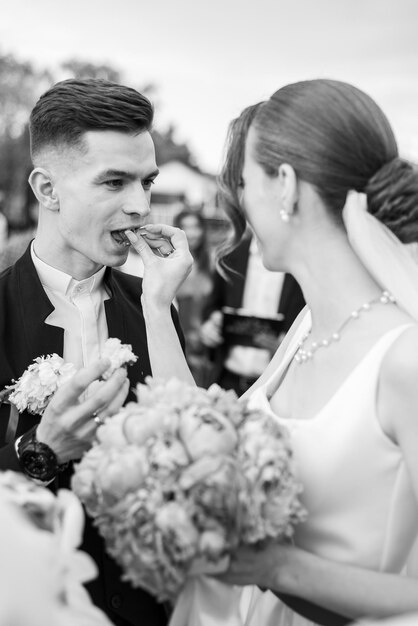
(344, 589)
(347, 590)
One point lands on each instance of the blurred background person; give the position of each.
(192, 295)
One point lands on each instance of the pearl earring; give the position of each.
(285, 217)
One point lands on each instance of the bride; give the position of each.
(315, 172)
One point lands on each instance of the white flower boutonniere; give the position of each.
(33, 391)
(37, 385)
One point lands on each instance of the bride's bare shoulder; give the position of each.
(402, 358)
(398, 381)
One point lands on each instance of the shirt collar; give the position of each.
(56, 280)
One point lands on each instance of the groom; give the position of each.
(94, 165)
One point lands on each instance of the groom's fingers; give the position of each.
(69, 393)
(159, 245)
(165, 233)
(140, 245)
(148, 245)
(175, 235)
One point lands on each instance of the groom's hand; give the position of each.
(165, 272)
(68, 425)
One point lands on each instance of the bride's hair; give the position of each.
(392, 197)
(337, 138)
(230, 181)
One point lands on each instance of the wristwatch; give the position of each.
(37, 459)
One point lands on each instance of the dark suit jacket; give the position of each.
(24, 336)
(230, 293)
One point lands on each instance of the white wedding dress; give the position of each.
(361, 508)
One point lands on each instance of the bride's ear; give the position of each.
(288, 182)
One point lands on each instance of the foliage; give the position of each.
(87, 69)
(20, 86)
(168, 149)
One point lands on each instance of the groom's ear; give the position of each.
(43, 187)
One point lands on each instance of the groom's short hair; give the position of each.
(72, 107)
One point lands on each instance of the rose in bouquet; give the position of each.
(39, 382)
(177, 480)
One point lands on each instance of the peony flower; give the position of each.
(199, 470)
(168, 454)
(120, 472)
(38, 504)
(175, 524)
(39, 382)
(120, 355)
(139, 426)
(213, 544)
(206, 431)
(84, 478)
(112, 433)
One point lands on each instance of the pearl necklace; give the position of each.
(302, 355)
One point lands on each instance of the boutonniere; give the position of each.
(34, 390)
(38, 383)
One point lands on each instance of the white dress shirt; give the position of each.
(79, 310)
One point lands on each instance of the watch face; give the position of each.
(36, 464)
(38, 461)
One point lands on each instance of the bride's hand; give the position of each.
(164, 270)
(258, 566)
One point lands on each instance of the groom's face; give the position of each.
(102, 188)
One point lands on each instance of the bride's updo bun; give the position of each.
(392, 197)
(337, 138)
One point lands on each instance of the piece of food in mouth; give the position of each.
(120, 236)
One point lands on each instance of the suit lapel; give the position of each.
(126, 322)
(32, 309)
(113, 307)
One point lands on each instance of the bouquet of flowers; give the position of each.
(39, 382)
(177, 480)
(42, 570)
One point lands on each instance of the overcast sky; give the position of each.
(211, 59)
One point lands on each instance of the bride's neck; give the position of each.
(334, 283)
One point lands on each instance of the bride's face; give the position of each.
(261, 201)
